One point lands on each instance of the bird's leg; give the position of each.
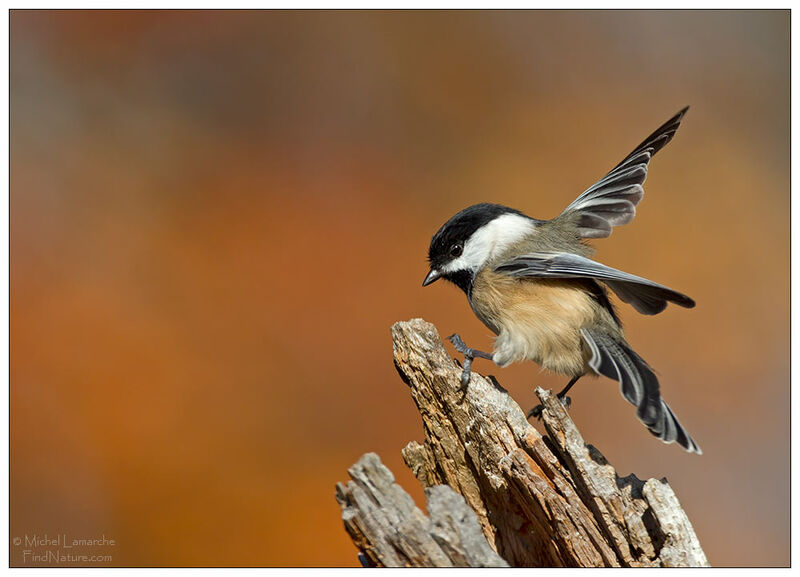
(562, 396)
(469, 354)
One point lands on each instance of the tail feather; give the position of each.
(613, 358)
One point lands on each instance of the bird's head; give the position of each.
(466, 242)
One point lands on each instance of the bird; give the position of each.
(534, 284)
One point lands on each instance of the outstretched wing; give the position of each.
(612, 200)
(644, 295)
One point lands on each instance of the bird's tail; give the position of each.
(613, 358)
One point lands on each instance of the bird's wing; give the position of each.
(612, 200)
(614, 359)
(644, 295)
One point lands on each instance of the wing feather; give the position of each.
(644, 295)
(622, 184)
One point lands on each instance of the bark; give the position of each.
(391, 531)
(538, 501)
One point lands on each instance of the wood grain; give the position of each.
(538, 501)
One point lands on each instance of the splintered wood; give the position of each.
(495, 486)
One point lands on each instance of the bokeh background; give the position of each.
(216, 217)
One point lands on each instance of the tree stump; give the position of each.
(498, 492)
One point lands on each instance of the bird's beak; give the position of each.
(432, 277)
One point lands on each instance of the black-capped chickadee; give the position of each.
(533, 284)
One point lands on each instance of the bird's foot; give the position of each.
(461, 346)
(469, 354)
(537, 410)
(466, 367)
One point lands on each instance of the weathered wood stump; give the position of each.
(538, 501)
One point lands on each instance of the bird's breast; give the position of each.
(535, 319)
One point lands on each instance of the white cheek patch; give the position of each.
(490, 240)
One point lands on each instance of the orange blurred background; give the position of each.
(216, 217)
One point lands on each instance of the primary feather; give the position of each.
(612, 200)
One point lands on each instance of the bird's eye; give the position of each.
(456, 250)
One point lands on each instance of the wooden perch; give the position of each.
(539, 501)
(389, 529)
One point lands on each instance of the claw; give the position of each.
(537, 410)
(460, 345)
